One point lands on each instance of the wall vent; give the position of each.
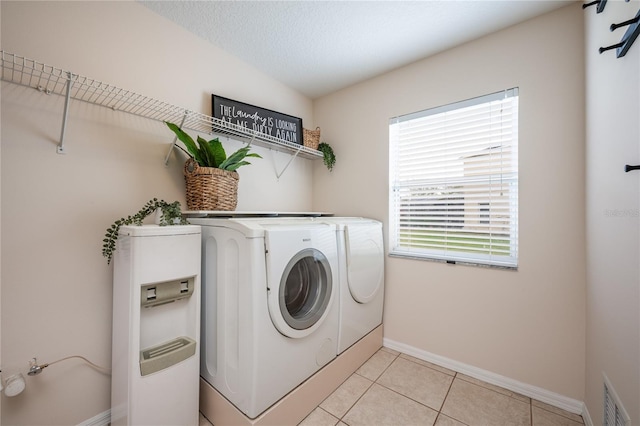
(614, 412)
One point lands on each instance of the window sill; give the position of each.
(402, 255)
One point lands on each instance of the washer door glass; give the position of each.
(305, 289)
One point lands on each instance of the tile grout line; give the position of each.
(438, 411)
(495, 391)
(561, 413)
(407, 397)
(445, 399)
(369, 387)
(530, 411)
(430, 365)
(386, 368)
(357, 400)
(454, 377)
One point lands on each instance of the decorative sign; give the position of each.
(262, 120)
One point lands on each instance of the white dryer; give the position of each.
(361, 266)
(270, 306)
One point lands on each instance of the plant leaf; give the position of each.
(219, 154)
(186, 140)
(170, 212)
(233, 167)
(206, 153)
(235, 158)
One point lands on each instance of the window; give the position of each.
(453, 178)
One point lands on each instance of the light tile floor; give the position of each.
(396, 389)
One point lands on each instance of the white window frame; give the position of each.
(451, 228)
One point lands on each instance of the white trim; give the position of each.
(586, 416)
(560, 401)
(492, 97)
(102, 419)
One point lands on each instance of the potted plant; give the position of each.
(329, 157)
(170, 215)
(210, 175)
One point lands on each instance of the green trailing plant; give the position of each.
(171, 215)
(329, 156)
(211, 153)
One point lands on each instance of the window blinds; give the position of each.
(454, 181)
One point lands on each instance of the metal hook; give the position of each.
(601, 4)
(614, 27)
(613, 46)
(628, 168)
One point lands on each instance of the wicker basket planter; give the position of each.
(312, 138)
(209, 188)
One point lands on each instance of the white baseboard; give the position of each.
(568, 404)
(102, 419)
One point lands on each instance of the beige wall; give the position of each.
(526, 325)
(0, 231)
(56, 286)
(613, 202)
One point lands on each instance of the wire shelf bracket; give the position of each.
(175, 140)
(51, 80)
(288, 162)
(60, 147)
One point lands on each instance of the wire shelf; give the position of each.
(51, 80)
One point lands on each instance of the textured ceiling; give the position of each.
(318, 47)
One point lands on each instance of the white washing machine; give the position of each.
(270, 306)
(361, 270)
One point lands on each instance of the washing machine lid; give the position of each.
(256, 227)
(364, 259)
(247, 214)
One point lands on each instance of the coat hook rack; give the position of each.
(601, 4)
(627, 39)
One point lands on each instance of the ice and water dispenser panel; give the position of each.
(156, 326)
(155, 300)
(166, 292)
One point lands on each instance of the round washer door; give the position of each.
(301, 301)
(365, 261)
